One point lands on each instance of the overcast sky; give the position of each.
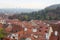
(33, 4)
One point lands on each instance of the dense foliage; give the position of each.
(45, 14)
(2, 33)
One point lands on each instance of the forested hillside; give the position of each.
(48, 13)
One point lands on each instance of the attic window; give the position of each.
(56, 33)
(34, 30)
(47, 36)
(41, 27)
(44, 23)
(48, 25)
(35, 36)
(25, 29)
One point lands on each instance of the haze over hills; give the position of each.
(23, 10)
(49, 13)
(20, 10)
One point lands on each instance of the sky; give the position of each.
(30, 4)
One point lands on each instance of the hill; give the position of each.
(53, 6)
(49, 13)
(16, 10)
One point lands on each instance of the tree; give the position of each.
(26, 17)
(2, 33)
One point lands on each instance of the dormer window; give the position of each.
(44, 23)
(9, 23)
(41, 27)
(25, 29)
(47, 36)
(34, 30)
(56, 33)
(48, 25)
(35, 36)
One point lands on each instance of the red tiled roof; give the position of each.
(1, 25)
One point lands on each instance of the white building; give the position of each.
(13, 36)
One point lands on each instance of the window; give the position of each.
(56, 33)
(46, 31)
(47, 36)
(34, 30)
(35, 36)
(25, 29)
(48, 25)
(41, 27)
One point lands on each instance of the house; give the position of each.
(13, 36)
(35, 30)
(28, 30)
(56, 31)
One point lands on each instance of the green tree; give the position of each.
(26, 17)
(2, 33)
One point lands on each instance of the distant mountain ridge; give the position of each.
(49, 13)
(53, 6)
(16, 10)
(20, 10)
